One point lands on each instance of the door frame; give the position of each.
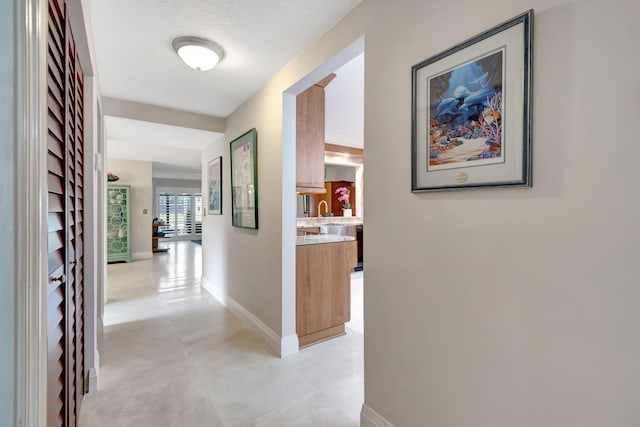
(290, 344)
(31, 203)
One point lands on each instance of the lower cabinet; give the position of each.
(323, 290)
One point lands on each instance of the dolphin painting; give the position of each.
(479, 97)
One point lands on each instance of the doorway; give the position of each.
(354, 51)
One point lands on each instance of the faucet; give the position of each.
(326, 206)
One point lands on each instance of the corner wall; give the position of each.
(8, 283)
(138, 175)
(489, 307)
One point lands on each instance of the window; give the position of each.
(178, 210)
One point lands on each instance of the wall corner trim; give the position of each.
(370, 418)
(141, 255)
(92, 383)
(284, 346)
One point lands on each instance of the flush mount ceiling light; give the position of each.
(198, 53)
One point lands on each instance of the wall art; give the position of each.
(471, 123)
(214, 179)
(244, 180)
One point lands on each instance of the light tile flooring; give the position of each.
(172, 355)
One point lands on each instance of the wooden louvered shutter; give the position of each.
(65, 289)
(75, 223)
(79, 231)
(56, 288)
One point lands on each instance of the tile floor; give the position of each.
(172, 355)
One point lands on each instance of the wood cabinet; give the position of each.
(310, 122)
(323, 290)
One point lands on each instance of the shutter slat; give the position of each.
(55, 165)
(55, 260)
(54, 70)
(55, 183)
(55, 203)
(56, 221)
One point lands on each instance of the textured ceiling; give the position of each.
(136, 62)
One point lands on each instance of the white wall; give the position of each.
(244, 261)
(509, 307)
(8, 283)
(137, 174)
(177, 183)
(486, 307)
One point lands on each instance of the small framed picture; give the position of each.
(471, 112)
(214, 179)
(244, 180)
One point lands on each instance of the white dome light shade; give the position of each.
(198, 57)
(199, 54)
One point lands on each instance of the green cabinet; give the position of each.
(118, 223)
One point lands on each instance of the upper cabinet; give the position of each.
(310, 122)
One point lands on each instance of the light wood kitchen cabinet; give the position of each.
(310, 122)
(323, 290)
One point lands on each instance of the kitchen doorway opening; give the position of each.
(343, 163)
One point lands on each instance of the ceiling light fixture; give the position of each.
(198, 53)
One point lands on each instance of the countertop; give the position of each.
(315, 239)
(325, 220)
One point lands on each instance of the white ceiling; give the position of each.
(136, 62)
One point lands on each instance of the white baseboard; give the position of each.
(370, 418)
(93, 381)
(284, 346)
(141, 255)
(289, 345)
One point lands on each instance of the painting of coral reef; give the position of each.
(465, 114)
(471, 112)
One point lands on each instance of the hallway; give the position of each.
(172, 355)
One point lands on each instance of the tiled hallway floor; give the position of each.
(173, 356)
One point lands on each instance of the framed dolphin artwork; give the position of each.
(471, 112)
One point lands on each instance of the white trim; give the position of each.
(289, 345)
(91, 236)
(284, 346)
(289, 201)
(101, 221)
(31, 372)
(92, 382)
(370, 418)
(141, 255)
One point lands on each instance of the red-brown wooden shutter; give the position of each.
(65, 289)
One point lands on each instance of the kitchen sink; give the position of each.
(339, 229)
